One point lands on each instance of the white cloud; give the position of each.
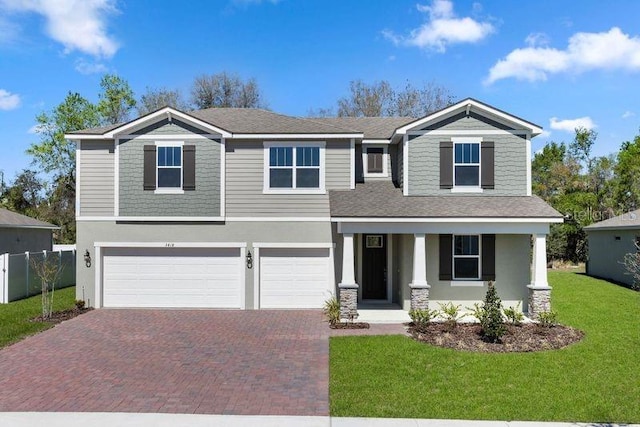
(8, 100)
(612, 50)
(537, 39)
(570, 125)
(442, 28)
(544, 134)
(76, 24)
(86, 67)
(628, 114)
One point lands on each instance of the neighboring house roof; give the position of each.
(626, 220)
(10, 219)
(382, 199)
(372, 127)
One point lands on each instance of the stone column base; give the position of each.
(348, 300)
(539, 300)
(419, 296)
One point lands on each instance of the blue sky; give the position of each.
(556, 63)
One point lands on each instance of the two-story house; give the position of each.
(248, 209)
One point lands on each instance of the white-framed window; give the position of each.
(169, 167)
(375, 160)
(294, 167)
(466, 164)
(466, 257)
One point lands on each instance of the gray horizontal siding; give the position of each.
(245, 182)
(96, 189)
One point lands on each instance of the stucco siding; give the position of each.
(510, 166)
(245, 182)
(606, 253)
(89, 232)
(96, 177)
(204, 201)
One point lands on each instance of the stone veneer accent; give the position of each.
(419, 297)
(539, 300)
(348, 301)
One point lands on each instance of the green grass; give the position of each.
(14, 317)
(595, 380)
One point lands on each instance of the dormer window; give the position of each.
(375, 160)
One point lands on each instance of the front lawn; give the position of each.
(595, 380)
(14, 317)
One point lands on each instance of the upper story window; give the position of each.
(466, 257)
(169, 167)
(467, 164)
(374, 160)
(294, 167)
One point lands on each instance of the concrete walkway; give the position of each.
(119, 419)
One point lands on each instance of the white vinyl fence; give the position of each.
(18, 279)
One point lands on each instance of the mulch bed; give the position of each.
(350, 325)
(61, 316)
(524, 338)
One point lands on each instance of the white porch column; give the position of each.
(348, 287)
(539, 289)
(419, 286)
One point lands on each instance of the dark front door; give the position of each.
(374, 266)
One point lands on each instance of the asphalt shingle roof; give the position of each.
(10, 219)
(372, 127)
(383, 199)
(626, 220)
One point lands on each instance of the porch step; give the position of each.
(370, 315)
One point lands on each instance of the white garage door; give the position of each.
(172, 277)
(294, 278)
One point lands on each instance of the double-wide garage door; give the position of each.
(173, 277)
(214, 277)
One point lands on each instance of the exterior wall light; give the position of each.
(249, 260)
(87, 258)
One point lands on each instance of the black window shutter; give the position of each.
(488, 257)
(446, 164)
(445, 257)
(149, 174)
(488, 165)
(189, 167)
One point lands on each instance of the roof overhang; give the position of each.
(166, 112)
(42, 227)
(467, 106)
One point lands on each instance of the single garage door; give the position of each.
(172, 277)
(294, 278)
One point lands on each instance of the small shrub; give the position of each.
(514, 315)
(548, 319)
(331, 309)
(421, 318)
(493, 327)
(478, 312)
(451, 314)
(79, 304)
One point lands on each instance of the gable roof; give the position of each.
(10, 219)
(470, 104)
(381, 199)
(626, 220)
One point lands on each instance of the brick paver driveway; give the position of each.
(186, 361)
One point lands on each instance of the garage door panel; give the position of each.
(295, 278)
(173, 277)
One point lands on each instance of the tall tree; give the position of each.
(381, 99)
(582, 144)
(116, 100)
(54, 154)
(225, 90)
(627, 172)
(156, 98)
(24, 195)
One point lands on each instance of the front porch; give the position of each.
(386, 274)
